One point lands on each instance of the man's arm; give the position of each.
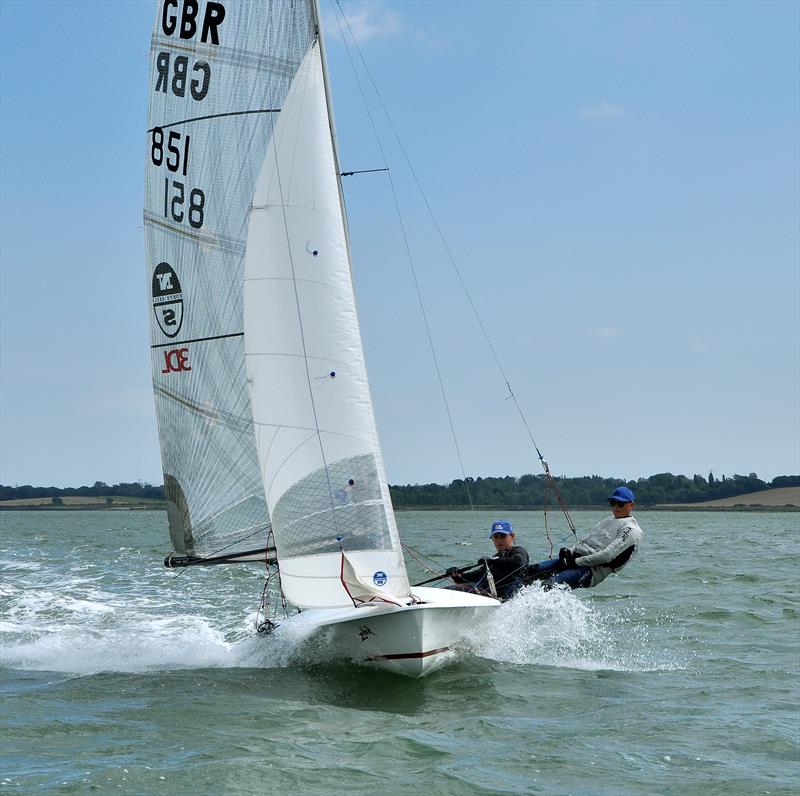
(628, 537)
(509, 565)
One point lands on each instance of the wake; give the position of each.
(76, 625)
(79, 626)
(560, 629)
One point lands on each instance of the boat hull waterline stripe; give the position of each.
(405, 656)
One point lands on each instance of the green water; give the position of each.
(681, 675)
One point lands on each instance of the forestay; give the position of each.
(217, 70)
(315, 431)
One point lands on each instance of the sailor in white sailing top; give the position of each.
(608, 548)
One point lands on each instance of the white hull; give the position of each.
(413, 640)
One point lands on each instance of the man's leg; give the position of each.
(577, 578)
(544, 567)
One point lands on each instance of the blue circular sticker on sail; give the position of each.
(379, 578)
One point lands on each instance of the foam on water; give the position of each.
(76, 618)
(560, 628)
(76, 624)
(75, 649)
(103, 640)
(91, 631)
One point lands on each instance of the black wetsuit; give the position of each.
(507, 567)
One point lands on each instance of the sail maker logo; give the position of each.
(167, 299)
(379, 578)
(176, 360)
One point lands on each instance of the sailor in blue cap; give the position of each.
(500, 574)
(607, 549)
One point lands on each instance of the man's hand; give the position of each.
(453, 573)
(566, 558)
(484, 560)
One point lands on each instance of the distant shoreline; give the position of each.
(777, 499)
(90, 507)
(153, 506)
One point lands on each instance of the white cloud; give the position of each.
(368, 20)
(603, 110)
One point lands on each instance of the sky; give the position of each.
(618, 183)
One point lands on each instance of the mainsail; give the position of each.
(218, 71)
(261, 391)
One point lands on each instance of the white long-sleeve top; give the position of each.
(608, 539)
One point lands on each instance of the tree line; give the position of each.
(98, 489)
(529, 490)
(508, 491)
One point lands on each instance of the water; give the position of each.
(681, 675)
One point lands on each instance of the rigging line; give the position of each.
(407, 249)
(363, 171)
(454, 266)
(268, 577)
(439, 230)
(546, 525)
(418, 557)
(212, 116)
(302, 330)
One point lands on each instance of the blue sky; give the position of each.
(619, 184)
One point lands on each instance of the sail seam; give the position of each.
(315, 433)
(226, 55)
(295, 356)
(286, 279)
(322, 512)
(339, 434)
(241, 423)
(233, 245)
(299, 205)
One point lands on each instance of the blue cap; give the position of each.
(501, 526)
(622, 493)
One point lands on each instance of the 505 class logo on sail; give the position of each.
(167, 299)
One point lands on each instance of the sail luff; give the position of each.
(331, 118)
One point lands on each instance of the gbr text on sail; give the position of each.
(184, 20)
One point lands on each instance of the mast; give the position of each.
(331, 121)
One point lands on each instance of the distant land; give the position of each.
(527, 492)
(780, 497)
(83, 502)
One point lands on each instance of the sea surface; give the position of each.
(680, 675)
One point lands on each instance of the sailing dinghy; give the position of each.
(268, 439)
